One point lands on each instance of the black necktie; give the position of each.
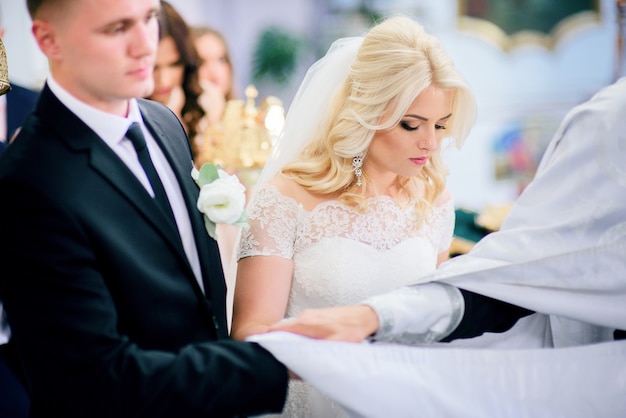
(135, 136)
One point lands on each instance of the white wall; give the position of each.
(27, 65)
(241, 21)
(527, 83)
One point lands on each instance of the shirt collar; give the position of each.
(111, 128)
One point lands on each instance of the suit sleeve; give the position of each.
(59, 298)
(484, 314)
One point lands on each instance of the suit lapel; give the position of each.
(178, 154)
(107, 164)
(79, 137)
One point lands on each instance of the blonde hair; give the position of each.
(396, 61)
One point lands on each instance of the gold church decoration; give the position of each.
(5, 86)
(243, 140)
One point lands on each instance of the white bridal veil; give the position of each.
(311, 103)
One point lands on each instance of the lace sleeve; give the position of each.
(273, 220)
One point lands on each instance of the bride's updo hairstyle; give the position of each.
(396, 61)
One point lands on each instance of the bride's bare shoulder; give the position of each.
(292, 189)
(286, 186)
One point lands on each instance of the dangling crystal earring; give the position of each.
(357, 163)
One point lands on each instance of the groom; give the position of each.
(116, 304)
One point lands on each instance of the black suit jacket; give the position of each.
(20, 103)
(104, 308)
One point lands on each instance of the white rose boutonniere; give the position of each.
(222, 198)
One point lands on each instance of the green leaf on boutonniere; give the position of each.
(210, 228)
(208, 173)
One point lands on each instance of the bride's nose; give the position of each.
(428, 141)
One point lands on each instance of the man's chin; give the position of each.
(147, 90)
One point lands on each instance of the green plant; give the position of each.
(276, 55)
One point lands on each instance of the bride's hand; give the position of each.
(345, 323)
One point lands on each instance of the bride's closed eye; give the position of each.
(408, 127)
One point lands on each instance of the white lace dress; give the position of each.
(342, 257)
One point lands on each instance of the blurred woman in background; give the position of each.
(215, 72)
(176, 82)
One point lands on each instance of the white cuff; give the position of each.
(418, 314)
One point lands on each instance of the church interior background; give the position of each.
(528, 62)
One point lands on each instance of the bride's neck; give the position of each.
(388, 185)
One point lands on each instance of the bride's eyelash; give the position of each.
(406, 126)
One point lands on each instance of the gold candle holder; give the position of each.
(243, 140)
(5, 86)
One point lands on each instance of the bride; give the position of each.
(353, 201)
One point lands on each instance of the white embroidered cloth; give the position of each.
(379, 380)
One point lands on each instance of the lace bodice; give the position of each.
(342, 256)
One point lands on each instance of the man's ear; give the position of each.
(46, 37)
